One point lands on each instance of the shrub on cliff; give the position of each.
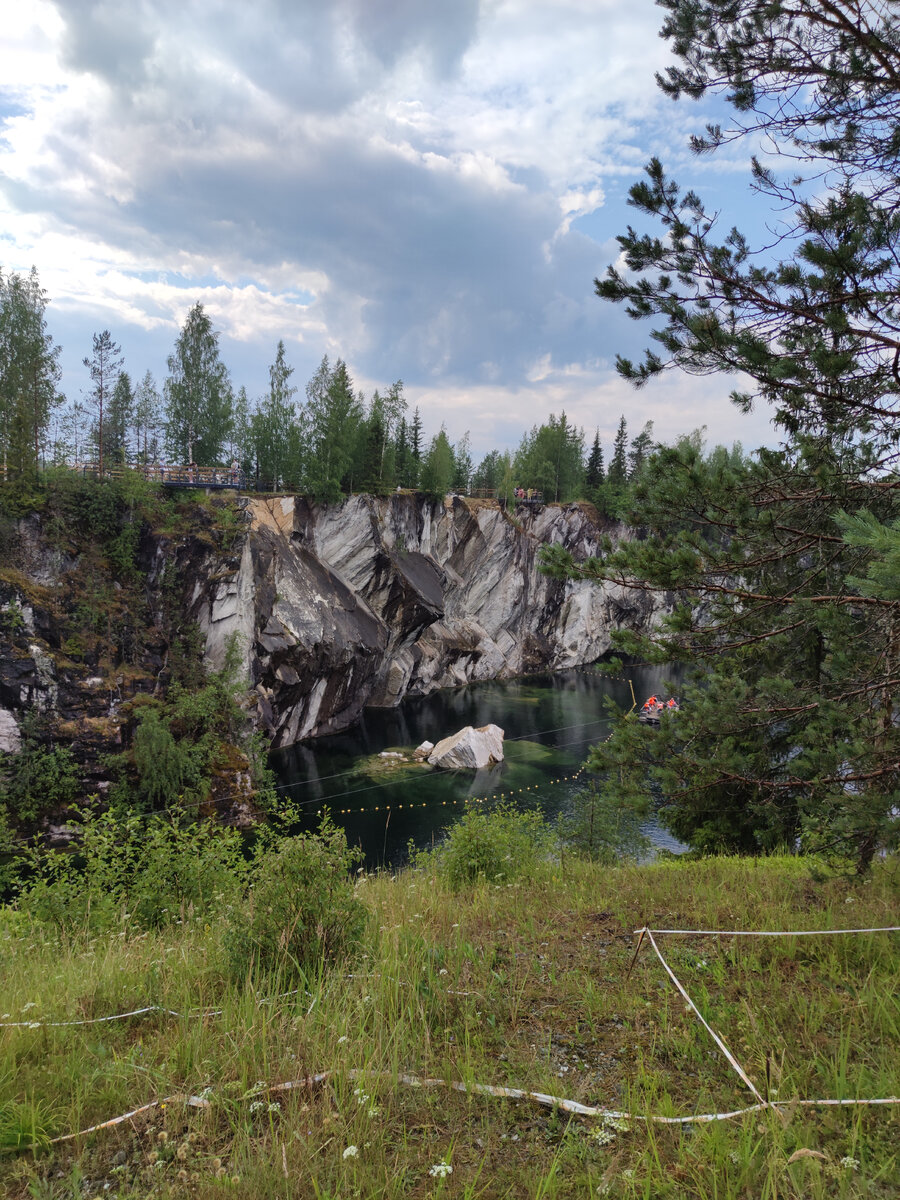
(301, 912)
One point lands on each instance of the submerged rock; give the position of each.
(470, 747)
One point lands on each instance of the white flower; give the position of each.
(343, 1039)
(441, 1170)
(849, 1163)
(351, 1152)
(443, 971)
(30, 1004)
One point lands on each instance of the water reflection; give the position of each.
(549, 721)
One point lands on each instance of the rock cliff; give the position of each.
(342, 606)
(332, 608)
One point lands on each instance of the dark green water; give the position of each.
(549, 722)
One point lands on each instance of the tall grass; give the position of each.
(521, 984)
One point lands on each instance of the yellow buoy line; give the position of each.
(514, 792)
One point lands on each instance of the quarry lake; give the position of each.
(550, 721)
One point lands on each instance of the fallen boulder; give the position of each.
(469, 748)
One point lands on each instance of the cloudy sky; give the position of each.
(426, 188)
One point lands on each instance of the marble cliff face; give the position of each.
(332, 608)
(363, 603)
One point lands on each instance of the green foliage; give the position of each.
(276, 433)
(603, 826)
(153, 871)
(198, 393)
(782, 565)
(301, 913)
(550, 459)
(162, 763)
(436, 476)
(29, 373)
(496, 846)
(334, 419)
(39, 778)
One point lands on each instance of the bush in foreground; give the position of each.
(301, 912)
(495, 846)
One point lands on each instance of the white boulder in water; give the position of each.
(423, 750)
(469, 748)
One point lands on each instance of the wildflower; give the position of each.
(343, 1039)
(441, 1170)
(30, 1004)
(849, 1163)
(257, 1105)
(374, 1110)
(351, 1152)
(443, 971)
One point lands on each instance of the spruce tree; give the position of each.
(119, 420)
(104, 365)
(594, 475)
(335, 416)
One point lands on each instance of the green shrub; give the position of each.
(301, 912)
(496, 846)
(39, 778)
(603, 827)
(154, 870)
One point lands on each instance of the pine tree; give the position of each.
(780, 562)
(198, 393)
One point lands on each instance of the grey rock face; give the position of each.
(362, 603)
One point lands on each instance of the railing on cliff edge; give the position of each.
(220, 478)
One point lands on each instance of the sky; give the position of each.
(424, 188)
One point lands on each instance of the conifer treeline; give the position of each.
(329, 441)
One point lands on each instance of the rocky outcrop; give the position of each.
(470, 748)
(328, 609)
(366, 602)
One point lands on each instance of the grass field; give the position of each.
(524, 986)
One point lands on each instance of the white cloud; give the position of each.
(403, 184)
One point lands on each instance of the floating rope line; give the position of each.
(410, 805)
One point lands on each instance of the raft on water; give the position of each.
(653, 707)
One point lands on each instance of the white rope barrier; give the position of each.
(709, 1029)
(769, 932)
(137, 1012)
(479, 1089)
